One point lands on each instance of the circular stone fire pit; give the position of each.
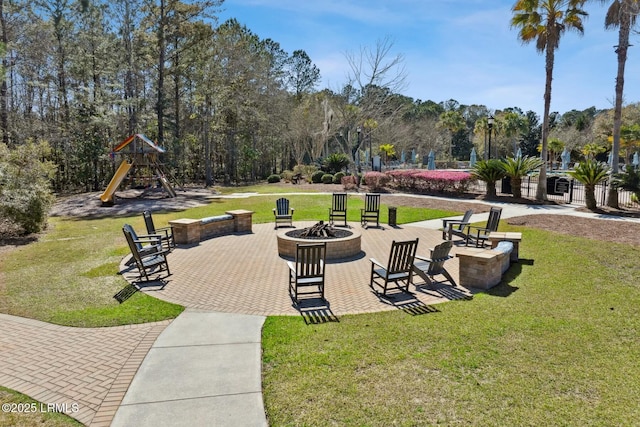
(346, 243)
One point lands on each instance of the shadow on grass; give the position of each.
(406, 302)
(504, 289)
(125, 293)
(444, 290)
(315, 311)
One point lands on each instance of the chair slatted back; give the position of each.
(494, 219)
(310, 260)
(131, 236)
(401, 256)
(465, 219)
(439, 255)
(282, 206)
(339, 202)
(148, 222)
(372, 203)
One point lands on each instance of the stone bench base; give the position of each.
(483, 268)
(188, 231)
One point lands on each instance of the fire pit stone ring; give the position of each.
(337, 248)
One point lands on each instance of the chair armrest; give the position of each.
(376, 262)
(292, 209)
(149, 238)
(291, 266)
(446, 222)
(422, 258)
(477, 227)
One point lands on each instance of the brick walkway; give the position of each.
(89, 367)
(245, 274)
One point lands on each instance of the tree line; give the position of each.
(227, 105)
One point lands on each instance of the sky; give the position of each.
(451, 49)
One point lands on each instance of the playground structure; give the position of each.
(140, 154)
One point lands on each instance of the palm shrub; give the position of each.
(518, 167)
(590, 172)
(335, 162)
(629, 180)
(488, 171)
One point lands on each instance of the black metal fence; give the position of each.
(563, 189)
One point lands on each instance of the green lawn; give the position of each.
(70, 277)
(555, 344)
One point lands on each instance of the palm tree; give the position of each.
(518, 167)
(513, 124)
(544, 21)
(488, 171)
(453, 121)
(621, 14)
(590, 173)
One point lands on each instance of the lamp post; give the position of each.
(490, 126)
(359, 130)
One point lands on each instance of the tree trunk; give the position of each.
(516, 187)
(4, 117)
(541, 191)
(621, 50)
(590, 196)
(161, 60)
(491, 189)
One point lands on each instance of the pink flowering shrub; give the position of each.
(431, 180)
(376, 180)
(349, 182)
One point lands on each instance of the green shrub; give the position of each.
(327, 178)
(273, 179)
(286, 175)
(316, 178)
(337, 178)
(305, 170)
(25, 195)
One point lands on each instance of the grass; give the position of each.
(30, 412)
(554, 344)
(69, 277)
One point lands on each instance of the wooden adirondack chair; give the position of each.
(371, 209)
(398, 271)
(165, 232)
(152, 258)
(427, 268)
(282, 213)
(455, 226)
(338, 207)
(479, 235)
(306, 273)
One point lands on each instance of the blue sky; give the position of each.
(452, 49)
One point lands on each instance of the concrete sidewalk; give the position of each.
(203, 370)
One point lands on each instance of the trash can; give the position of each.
(393, 211)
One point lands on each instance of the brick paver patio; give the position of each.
(243, 273)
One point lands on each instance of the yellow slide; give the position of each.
(122, 171)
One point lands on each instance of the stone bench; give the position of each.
(483, 268)
(187, 231)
